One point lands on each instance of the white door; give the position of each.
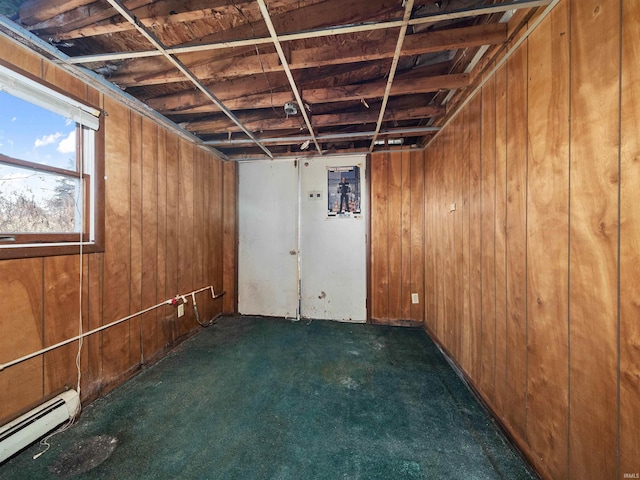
(331, 281)
(268, 237)
(333, 247)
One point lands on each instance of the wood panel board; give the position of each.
(92, 380)
(149, 238)
(502, 126)
(406, 221)
(439, 220)
(186, 232)
(136, 333)
(18, 56)
(394, 233)
(229, 261)
(475, 236)
(595, 67)
(465, 330)
(379, 238)
(169, 321)
(417, 232)
(448, 217)
(217, 203)
(198, 225)
(61, 302)
(117, 256)
(488, 265)
(162, 292)
(516, 244)
(548, 244)
(22, 334)
(629, 413)
(429, 242)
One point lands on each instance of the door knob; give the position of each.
(292, 252)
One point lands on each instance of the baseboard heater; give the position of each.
(26, 429)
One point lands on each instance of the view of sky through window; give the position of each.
(33, 201)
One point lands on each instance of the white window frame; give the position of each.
(87, 119)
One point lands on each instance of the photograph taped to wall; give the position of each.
(343, 192)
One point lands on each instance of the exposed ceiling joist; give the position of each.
(287, 71)
(292, 140)
(322, 32)
(117, 4)
(394, 65)
(336, 94)
(258, 122)
(332, 53)
(223, 69)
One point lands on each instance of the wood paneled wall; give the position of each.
(170, 223)
(531, 284)
(397, 204)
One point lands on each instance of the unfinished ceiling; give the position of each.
(355, 75)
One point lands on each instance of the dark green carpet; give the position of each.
(255, 398)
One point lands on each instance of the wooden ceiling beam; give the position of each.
(161, 13)
(324, 137)
(306, 18)
(370, 26)
(118, 5)
(334, 53)
(262, 84)
(337, 94)
(34, 11)
(228, 89)
(258, 122)
(81, 17)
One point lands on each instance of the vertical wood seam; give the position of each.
(569, 158)
(388, 322)
(506, 230)
(620, 66)
(130, 225)
(526, 247)
(495, 225)
(410, 238)
(104, 239)
(468, 142)
(480, 116)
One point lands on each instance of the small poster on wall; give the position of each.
(343, 184)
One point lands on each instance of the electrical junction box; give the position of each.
(181, 310)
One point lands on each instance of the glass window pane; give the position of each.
(38, 202)
(34, 134)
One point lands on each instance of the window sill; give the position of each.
(46, 250)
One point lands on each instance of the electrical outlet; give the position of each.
(414, 298)
(181, 310)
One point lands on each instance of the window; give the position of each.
(48, 168)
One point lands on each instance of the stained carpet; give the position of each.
(252, 398)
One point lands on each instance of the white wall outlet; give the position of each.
(181, 310)
(452, 207)
(414, 298)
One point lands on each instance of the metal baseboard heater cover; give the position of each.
(26, 429)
